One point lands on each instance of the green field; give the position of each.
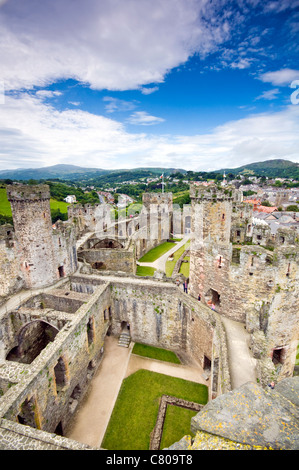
(61, 205)
(5, 208)
(136, 409)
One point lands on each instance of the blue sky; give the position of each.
(191, 84)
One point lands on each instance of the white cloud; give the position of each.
(108, 45)
(115, 104)
(144, 119)
(282, 77)
(269, 94)
(48, 93)
(149, 91)
(280, 5)
(36, 135)
(242, 63)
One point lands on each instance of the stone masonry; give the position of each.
(247, 276)
(52, 342)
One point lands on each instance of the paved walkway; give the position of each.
(160, 263)
(242, 363)
(92, 417)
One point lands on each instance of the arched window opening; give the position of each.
(32, 339)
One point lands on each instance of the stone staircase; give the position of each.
(124, 339)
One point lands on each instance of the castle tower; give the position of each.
(159, 209)
(210, 249)
(246, 273)
(33, 230)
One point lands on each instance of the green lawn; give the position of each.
(5, 208)
(156, 252)
(176, 425)
(145, 271)
(171, 264)
(136, 409)
(185, 267)
(155, 353)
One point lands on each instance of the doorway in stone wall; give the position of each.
(278, 355)
(59, 429)
(125, 327)
(212, 298)
(61, 271)
(206, 364)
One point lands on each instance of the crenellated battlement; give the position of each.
(215, 193)
(28, 193)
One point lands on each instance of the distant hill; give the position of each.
(49, 172)
(272, 168)
(73, 173)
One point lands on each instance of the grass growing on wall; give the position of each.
(156, 252)
(155, 353)
(136, 409)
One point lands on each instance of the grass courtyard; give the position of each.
(169, 267)
(145, 271)
(155, 353)
(156, 252)
(136, 409)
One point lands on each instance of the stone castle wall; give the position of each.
(246, 273)
(11, 278)
(33, 229)
(32, 253)
(47, 391)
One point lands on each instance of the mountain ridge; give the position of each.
(270, 168)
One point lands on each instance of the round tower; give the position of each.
(33, 230)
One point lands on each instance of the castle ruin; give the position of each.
(56, 310)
